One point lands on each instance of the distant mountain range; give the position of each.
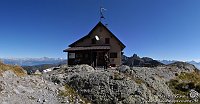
(32, 61)
(135, 60)
(47, 60)
(197, 64)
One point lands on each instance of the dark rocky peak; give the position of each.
(135, 56)
(135, 60)
(147, 59)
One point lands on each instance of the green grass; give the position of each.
(31, 97)
(117, 76)
(72, 94)
(183, 83)
(189, 77)
(138, 80)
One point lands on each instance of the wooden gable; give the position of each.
(95, 31)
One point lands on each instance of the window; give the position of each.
(107, 40)
(94, 41)
(113, 55)
(71, 55)
(79, 55)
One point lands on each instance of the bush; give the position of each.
(117, 76)
(176, 74)
(191, 85)
(173, 82)
(182, 87)
(55, 80)
(197, 88)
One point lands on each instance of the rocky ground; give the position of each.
(16, 87)
(26, 90)
(123, 85)
(82, 84)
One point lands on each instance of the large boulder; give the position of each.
(123, 68)
(82, 68)
(112, 86)
(102, 87)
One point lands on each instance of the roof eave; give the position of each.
(65, 50)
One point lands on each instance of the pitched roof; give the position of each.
(87, 48)
(99, 24)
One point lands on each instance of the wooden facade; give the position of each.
(92, 48)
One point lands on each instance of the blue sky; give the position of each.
(161, 29)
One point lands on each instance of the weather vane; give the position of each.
(101, 13)
(102, 17)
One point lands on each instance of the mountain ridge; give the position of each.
(166, 62)
(31, 61)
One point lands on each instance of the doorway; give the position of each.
(98, 59)
(94, 59)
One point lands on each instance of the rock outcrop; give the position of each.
(125, 85)
(16, 87)
(140, 62)
(82, 84)
(26, 90)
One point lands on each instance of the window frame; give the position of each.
(113, 54)
(93, 41)
(107, 40)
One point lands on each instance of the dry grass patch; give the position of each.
(72, 94)
(19, 71)
(183, 83)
